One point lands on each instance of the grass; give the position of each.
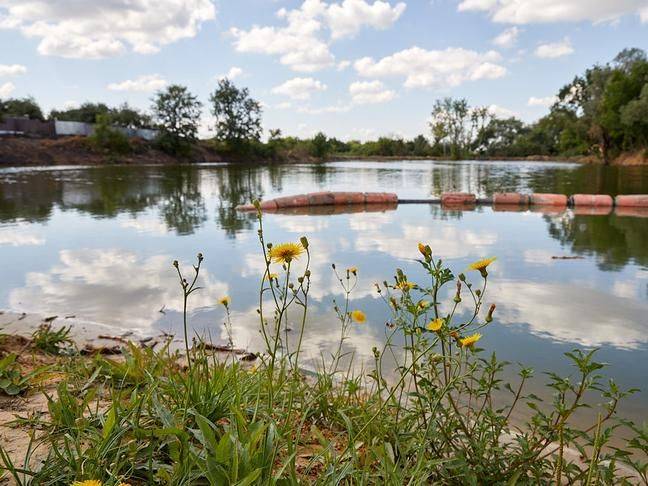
(191, 417)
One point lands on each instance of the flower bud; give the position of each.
(256, 204)
(489, 316)
(175, 263)
(307, 273)
(304, 241)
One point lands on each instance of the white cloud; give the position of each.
(94, 30)
(545, 101)
(363, 92)
(326, 109)
(553, 50)
(434, 69)
(70, 105)
(501, 112)
(233, 73)
(145, 83)
(542, 11)
(12, 69)
(299, 88)
(302, 43)
(507, 38)
(342, 65)
(6, 89)
(347, 18)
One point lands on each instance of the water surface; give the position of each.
(98, 243)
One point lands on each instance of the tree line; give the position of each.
(602, 112)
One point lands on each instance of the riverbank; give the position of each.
(89, 395)
(20, 151)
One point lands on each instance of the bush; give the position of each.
(107, 138)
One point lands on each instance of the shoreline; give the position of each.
(74, 151)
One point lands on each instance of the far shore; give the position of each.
(25, 152)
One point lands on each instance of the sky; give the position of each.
(355, 69)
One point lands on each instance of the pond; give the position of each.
(98, 243)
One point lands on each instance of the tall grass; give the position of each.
(159, 417)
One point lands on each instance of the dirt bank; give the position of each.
(17, 151)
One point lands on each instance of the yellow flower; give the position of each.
(405, 286)
(89, 482)
(424, 304)
(481, 265)
(353, 270)
(435, 324)
(286, 252)
(425, 251)
(358, 316)
(225, 301)
(469, 342)
(272, 276)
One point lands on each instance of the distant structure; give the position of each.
(16, 126)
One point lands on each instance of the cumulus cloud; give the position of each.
(146, 83)
(545, 101)
(434, 68)
(553, 50)
(364, 92)
(543, 11)
(233, 73)
(6, 89)
(340, 108)
(507, 38)
(12, 69)
(93, 30)
(299, 88)
(303, 43)
(501, 112)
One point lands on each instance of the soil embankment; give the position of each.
(18, 151)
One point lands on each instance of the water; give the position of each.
(98, 243)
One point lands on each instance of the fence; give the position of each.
(53, 128)
(25, 126)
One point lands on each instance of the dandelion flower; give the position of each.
(469, 342)
(353, 270)
(405, 286)
(225, 301)
(286, 252)
(358, 316)
(89, 482)
(424, 250)
(481, 265)
(435, 324)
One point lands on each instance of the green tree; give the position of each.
(128, 117)
(108, 138)
(320, 146)
(238, 116)
(86, 113)
(177, 113)
(22, 107)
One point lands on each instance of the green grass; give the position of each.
(155, 417)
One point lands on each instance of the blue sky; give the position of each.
(352, 68)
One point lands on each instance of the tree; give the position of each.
(238, 116)
(86, 113)
(22, 107)
(128, 117)
(320, 146)
(177, 113)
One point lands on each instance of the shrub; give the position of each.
(108, 138)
